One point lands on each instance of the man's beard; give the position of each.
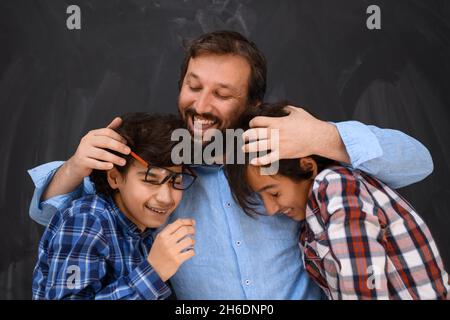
(202, 141)
(189, 117)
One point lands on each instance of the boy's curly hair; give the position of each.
(149, 136)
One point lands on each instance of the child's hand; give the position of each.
(92, 152)
(172, 247)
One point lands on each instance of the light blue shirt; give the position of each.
(239, 257)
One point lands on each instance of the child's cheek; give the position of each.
(139, 190)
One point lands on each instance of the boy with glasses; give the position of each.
(102, 246)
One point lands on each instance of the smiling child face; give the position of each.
(145, 204)
(280, 194)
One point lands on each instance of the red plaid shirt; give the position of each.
(362, 240)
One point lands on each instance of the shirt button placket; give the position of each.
(236, 238)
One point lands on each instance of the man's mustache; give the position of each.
(190, 112)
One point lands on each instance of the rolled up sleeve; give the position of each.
(43, 211)
(390, 155)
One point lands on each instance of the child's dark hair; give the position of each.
(290, 168)
(149, 136)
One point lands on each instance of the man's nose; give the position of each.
(203, 103)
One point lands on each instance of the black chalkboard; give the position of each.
(56, 83)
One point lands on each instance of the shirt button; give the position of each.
(228, 204)
(238, 243)
(247, 282)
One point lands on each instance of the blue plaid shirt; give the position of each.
(92, 251)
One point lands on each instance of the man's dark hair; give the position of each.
(290, 168)
(233, 43)
(149, 136)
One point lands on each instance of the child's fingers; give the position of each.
(186, 255)
(182, 232)
(184, 244)
(174, 226)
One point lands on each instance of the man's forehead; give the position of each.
(221, 83)
(222, 70)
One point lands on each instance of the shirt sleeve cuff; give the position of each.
(41, 177)
(148, 284)
(360, 142)
(43, 211)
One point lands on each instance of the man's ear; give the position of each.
(308, 164)
(114, 178)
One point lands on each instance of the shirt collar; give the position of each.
(311, 205)
(206, 168)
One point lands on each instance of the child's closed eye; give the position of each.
(274, 195)
(151, 181)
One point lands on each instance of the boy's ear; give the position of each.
(308, 164)
(114, 178)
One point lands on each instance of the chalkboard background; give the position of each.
(56, 84)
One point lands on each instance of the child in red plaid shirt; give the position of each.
(360, 239)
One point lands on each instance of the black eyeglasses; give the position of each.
(158, 175)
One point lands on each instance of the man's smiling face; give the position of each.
(214, 91)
